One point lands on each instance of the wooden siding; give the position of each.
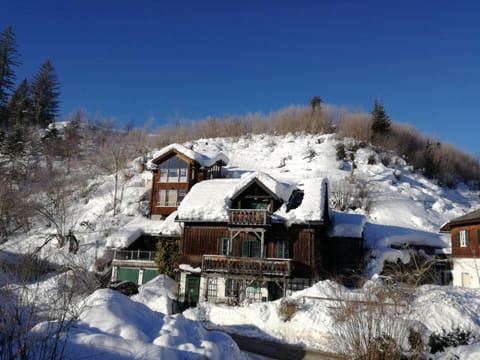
(201, 240)
(472, 250)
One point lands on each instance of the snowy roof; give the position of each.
(347, 225)
(202, 159)
(312, 207)
(127, 235)
(207, 201)
(282, 191)
(473, 216)
(210, 200)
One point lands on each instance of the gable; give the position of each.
(256, 196)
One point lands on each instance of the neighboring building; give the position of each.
(253, 238)
(465, 239)
(175, 170)
(131, 250)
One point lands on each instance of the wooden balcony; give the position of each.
(249, 217)
(244, 266)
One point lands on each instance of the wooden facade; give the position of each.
(465, 235)
(173, 176)
(465, 244)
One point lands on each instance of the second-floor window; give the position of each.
(170, 197)
(463, 238)
(173, 170)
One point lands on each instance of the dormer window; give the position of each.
(173, 170)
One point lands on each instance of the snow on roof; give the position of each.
(312, 205)
(347, 225)
(281, 190)
(202, 159)
(140, 225)
(207, 201)
(210, 200)
(124, 237)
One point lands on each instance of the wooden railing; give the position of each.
(134, 255)
(243, 265)
(249, 217)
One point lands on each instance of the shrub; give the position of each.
(372, 160)
(456, 337)
(287, 309)
(341, 154)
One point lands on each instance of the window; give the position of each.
(281, 250)
(251, 248)
(463, 238)
(231, 288)
(173, 170)
(212, 287)
(170, 197)
(224, 246)
(254, 292)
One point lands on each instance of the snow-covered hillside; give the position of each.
(403, 207)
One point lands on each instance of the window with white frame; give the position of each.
(224, 246)
(463, 238)
(212, 288)
(231, 288)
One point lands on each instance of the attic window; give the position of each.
(173, 170)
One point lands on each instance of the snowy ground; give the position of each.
(405, 207)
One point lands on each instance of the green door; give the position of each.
(129, 274)
(149, 274)
(192, 290)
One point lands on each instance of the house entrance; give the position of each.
(192, 290)
(465, 279)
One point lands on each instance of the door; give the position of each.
(465, 279)
(192, 290)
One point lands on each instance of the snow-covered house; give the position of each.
(465, 242)
(131, 250)
(176, 169)
(253, 238)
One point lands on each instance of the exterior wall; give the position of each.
(473, 247)
(466, 272)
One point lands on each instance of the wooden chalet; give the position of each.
(175, 170)
(465, 244)
(252, 238)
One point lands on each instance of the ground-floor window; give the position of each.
(298, 284)
(212, 288)
(231, 288)
(254, 292)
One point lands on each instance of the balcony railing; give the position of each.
(242, 265)
(249, 217)
(133, 255)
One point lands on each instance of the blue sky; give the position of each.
(192, 59)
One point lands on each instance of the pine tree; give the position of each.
(45, 93)
(167, 256)
(8, 60)
(19, 107)
(380, 120)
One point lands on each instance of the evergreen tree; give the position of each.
(380, 120)
(167, 256)
(19, 107)
(45, 92)
(8, 60)
(316, 104)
